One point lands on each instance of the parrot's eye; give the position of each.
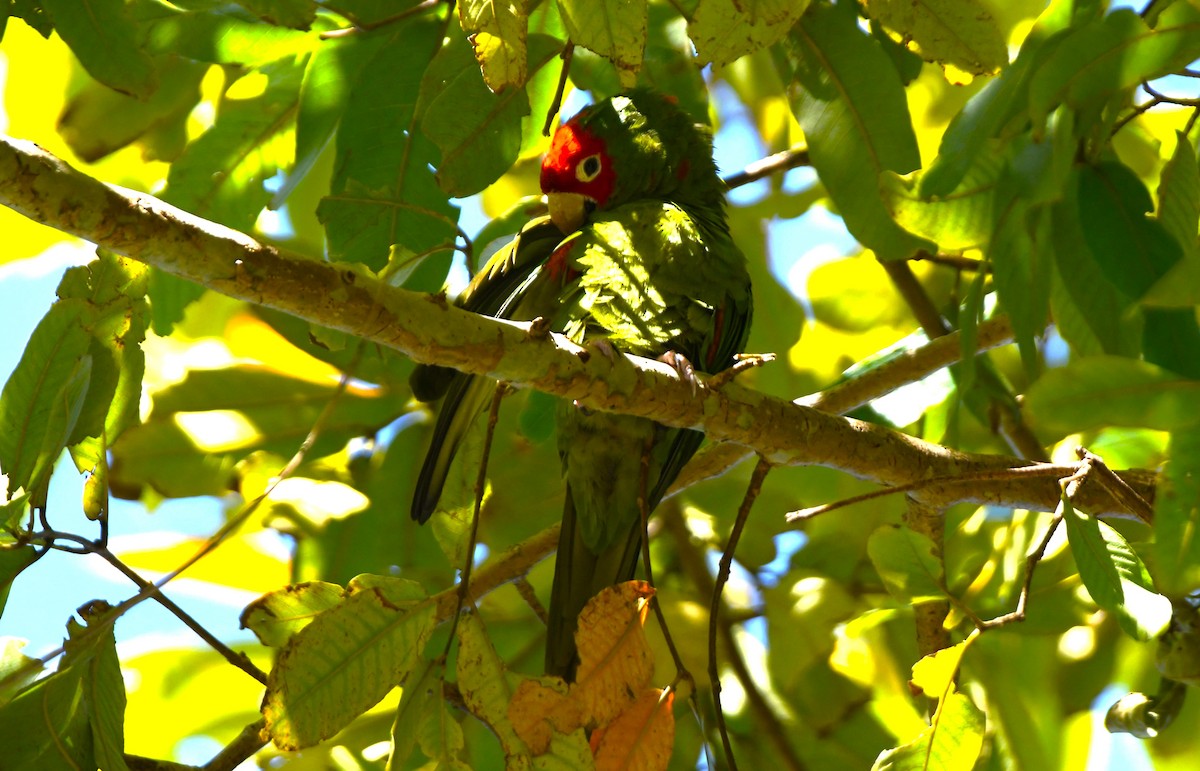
(588, 169)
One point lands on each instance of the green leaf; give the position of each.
(1100, 391)
(221, 36)
(614, 29)
(221, 174)
(906, 562)
(13, 559)
(478, 132)
(1021, 259)
(1132, 250)
(1177, 516)
(1115, 577)
(953, 742)
(277, 616)
(1179, 213)
(63, 737)
(960, 34)
(1097, 319)
(851, 106)
(955, 221)
(16, 669)
(285, 13)
(44, 395)
(1113, 54)
(114, 288)
(382, 191)
(726, 30)
(324, 95)
(103, 686)
(104, 38)
(97, 121)
(979, 121)
(484, 683)
(33, 14)
(497, 33)
(414, 701)
(346, 660)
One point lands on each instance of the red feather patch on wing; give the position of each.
(571, 145)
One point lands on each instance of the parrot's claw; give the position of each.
(683, 367)
(539, 328)
(742, 362)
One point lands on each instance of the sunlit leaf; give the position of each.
(484, 683)
(725, 30)
(1177, 517)
(43, 397)
(850, 104)
(954, 741)
(276, 617)
(957, 34)
(497, 34)
(1114, 391)
(478, 132)
(1112, 54)
(346, 660)
(955, 221)
(1114, 576)
(614, 29)
(104, 38)
(382, 191)
(1179, 213)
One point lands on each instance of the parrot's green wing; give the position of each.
(651, 281)
(501, 289)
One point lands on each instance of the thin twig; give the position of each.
(556, 104)
(464, 583)
(1035, 470)
(752, 491)
(1031, 562)
(765, 167)
(360, 27)
(955, 261)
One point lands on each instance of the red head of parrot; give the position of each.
(577, 174)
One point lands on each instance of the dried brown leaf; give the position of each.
(615, 660)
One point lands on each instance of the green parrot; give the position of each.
(635, 257)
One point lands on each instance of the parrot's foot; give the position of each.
(742, 362)
(684, 368)
(539, 328)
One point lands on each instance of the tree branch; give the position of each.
(429, 330)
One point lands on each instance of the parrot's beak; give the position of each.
(569, 210)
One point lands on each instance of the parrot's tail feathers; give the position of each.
(580, 575)
(466, 397)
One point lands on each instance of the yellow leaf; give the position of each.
(640, 738)
(614, 29)
(961, 35)
(725, 30)
(539, 708)
(497, 32)
(615, 660)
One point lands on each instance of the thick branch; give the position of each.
(349, 299)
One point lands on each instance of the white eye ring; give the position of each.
(589, 168)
